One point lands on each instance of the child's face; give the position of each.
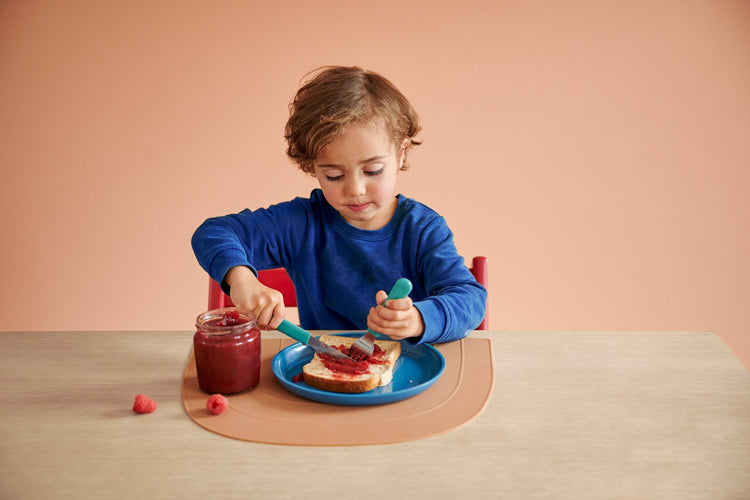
(357, 174)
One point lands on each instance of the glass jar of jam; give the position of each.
(227, 351)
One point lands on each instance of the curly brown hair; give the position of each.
(334, 98)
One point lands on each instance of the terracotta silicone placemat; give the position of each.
(271, 414)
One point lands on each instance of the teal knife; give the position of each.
(302, 335)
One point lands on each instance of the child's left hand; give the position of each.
(398, 320)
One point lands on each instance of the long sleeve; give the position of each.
(260, 239)
(454, 302)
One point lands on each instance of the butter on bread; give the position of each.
(317, 374)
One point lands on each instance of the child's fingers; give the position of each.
(263, 317)
(377, 323)
(270, 316)
(398, 305)
(278, 316)
(393, 315)
(392, 318)
(380, 297)
(269, 309)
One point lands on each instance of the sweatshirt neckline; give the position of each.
(343, 226)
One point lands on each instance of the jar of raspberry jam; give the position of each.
(227, 351)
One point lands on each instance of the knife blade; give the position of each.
(302, 335)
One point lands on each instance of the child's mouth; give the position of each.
(359, 208)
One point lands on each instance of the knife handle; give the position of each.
(400, 290)
(294, 331)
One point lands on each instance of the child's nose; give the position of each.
(356, 186)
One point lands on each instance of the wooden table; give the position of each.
(573, 415)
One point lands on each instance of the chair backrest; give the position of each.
(481, 272)
(278, 279)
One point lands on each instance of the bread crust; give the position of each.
(317, 375)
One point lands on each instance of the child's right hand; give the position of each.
(250, 295)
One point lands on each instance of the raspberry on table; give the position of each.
(143, 404)
(216, 404)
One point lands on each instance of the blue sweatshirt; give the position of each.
(337, 268)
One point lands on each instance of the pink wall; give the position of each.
(597, 152)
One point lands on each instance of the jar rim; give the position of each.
(202, 322)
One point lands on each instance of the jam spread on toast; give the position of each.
(347, 365)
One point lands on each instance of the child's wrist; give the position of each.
(237, 273)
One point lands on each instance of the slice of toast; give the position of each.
(333, 375)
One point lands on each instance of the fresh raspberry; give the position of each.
(143, 404)
(216, 404)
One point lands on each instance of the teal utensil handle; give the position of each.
(400, 290)
(292, 330)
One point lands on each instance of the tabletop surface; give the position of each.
(572, 415)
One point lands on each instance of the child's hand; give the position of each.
(398, 320)
(250, 295)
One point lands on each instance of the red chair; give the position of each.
(481, 272)
(278, 279)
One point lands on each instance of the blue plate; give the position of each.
(418, 367)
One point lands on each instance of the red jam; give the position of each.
(227, 351)
(348, 365)
(230, 318)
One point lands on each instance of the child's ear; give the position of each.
(402, 156)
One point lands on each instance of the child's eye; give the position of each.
(375, 172)
(335, 178)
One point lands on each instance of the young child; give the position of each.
(349, 242)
